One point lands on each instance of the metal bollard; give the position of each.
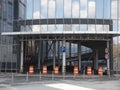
(27, 77)
(52, 75)
(12, 78)
(64, 76)
(40, 76)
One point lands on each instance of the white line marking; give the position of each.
(63, 86)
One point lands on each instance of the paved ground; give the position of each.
(70, 83)
(66, 85)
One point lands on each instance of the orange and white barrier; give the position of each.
(31, 69)
(44, 70)
(56, 70)
(89, 70)
(100, 71)
(76, 70)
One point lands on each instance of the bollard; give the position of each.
(52, 75)
(27, 77)
(40, 78)
(12, 78)
(64, 76)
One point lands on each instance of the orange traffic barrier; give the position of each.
(44, 69)
(31, 69)
(100, 71)
(89, 70)
(56, 70)
(75, 70)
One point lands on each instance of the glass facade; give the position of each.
(30, 10)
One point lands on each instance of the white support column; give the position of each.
(21, 60)
(64, 58)
(108, 60)
(79, 56)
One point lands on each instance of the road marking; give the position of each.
(63, 86)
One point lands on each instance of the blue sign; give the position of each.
(63, 49)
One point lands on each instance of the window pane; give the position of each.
(114, 9)
(75, 27)
(59, 27)
(99, 8)
(67, 8)
(91, 6)
(44, 4)
(83, 8)
(106, 9)
(29, 9)
(59, 8)
(51, 9)
(36, 12)
(83, 27)
(75, 8)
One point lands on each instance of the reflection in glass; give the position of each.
(36, 12)
(59, 27)
(51, 9)
(51, 27)
(59, 8)
(91, 9)
(67, 8)
(67, 27)
(99, 27)
(35, 28)
(44, 4)
(29, 9)
(83, 27)
(106, 9)
(43, 28)
(75, 27)
(83, 8)
(75, 8)
(114, 9)
(99, 8)
(91, 27)
(106, 27)
(115, 24)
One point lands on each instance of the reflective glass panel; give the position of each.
(51, 9)
(29, 9)
(44, 6)
(67, 8)
(83, 8)
(75, 8)
(106, 9)
(91, 8)
(36, 12)
(99, 8)
(59, 8)
(114, 9)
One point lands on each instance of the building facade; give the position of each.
(40, 28)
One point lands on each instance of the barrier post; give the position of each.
(100, 71)
(40, 76)
(12, 78)
(44, 70)
(89, 70)
(52, 75)
(56, 70)
(76, 71)
(27, 77)
(31, 69)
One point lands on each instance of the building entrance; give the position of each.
(81, 53)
